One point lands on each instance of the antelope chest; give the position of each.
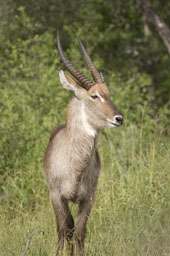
(82, 185)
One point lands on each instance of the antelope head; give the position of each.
(98, 109)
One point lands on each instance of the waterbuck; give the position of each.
(71, 162)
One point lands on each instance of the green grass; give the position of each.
(131, 214)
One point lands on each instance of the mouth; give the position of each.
(112, 124)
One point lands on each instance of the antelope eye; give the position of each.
(94, 97)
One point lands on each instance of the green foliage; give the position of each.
(131, 213)
(28, 112)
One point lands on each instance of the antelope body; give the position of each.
(71, 162)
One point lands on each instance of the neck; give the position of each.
(77, 120)
(82, 137)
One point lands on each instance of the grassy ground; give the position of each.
(131, 215)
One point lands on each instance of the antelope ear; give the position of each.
(68, 83)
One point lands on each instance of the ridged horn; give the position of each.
(96, 75)
(84, 81)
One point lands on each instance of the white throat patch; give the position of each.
(89, 129)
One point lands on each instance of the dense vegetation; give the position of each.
(131, 215)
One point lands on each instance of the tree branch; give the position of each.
(157, 21)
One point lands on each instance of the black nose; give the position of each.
(119, 120)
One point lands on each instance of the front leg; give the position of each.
(80, 229)
(65, 223)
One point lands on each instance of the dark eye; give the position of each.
(94, 96)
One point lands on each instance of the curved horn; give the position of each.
(96, 75)
(85, 82)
